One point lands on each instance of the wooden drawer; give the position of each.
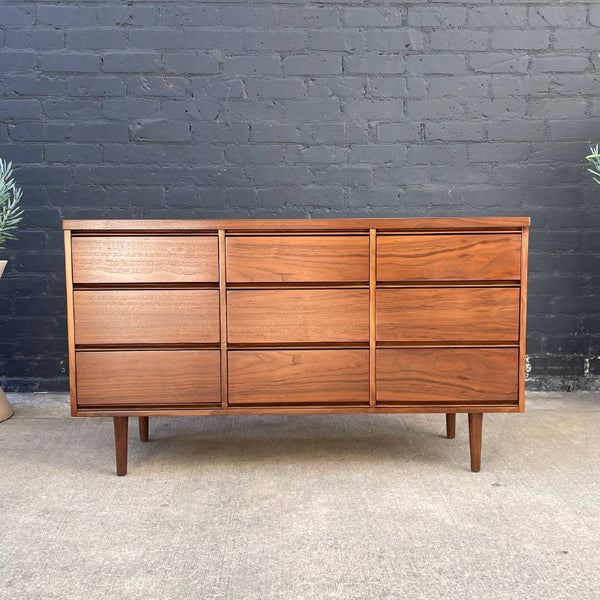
(447, 375)
(449, 257)
(448, 315)
(148, 377)
(146, 316)
(298, 377)
(297, 258)
(301, 316)
(145, 259)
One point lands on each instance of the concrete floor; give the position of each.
(316, 507)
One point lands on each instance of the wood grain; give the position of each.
(145, 259)
(147, 377)
(146, 316)
(523, 319)
(278, 225)
(447, 375)
(449, 257)
(70, 322)
(284, 259)
(288, 316)
(121, 427)
(298, 377)
(448, 315)
(475, 434)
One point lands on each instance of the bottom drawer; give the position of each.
(148, 377)
(447, 375)
(298, 377)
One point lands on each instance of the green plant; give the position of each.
(10, 196)
(594, 159)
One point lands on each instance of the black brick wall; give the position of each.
(298, 109)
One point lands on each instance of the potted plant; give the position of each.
(594, 159)
(10, 216)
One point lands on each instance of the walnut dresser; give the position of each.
(329, 316)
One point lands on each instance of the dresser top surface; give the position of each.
(414, 224)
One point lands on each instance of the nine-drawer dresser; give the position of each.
(249, 316)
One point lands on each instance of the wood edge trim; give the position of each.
(223, 316)
(70, 322)
(523, 318)
(372, 315)
(296, 410)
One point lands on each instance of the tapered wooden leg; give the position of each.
(475, 423)
(450, 425)
(121, 429)
(143, 428)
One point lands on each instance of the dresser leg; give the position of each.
(121, 429)
(450, 425)
(143, 421)
(475, 423)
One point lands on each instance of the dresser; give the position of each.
(237, 317)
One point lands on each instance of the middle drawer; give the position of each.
(302, 258)
(146, 316)
(297, 316)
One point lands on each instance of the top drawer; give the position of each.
(303, 258)
(449, 257)
(145, 259)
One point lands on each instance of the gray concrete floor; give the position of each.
(315, 507)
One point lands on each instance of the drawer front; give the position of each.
(447, 375)
(145, 259)
(302, 258)
(148, 377)
(287, 316)
(448, 315)
(146, 316)
(450, 257)
(298, 377)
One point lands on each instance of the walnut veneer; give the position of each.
(296, 316)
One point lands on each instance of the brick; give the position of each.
(375, 63)
(336, 40)
(459, 131)
(373, 16)
(34, 38)
(374, 110)
(73, 153)
(23, 85)
(497, 17)
(30, 132)
(130, 62)
(462, 86)
(425, 154)
(516, 39)
(100, 132)
(252, 153)
(84, 85)
(94, 39)
(398, 132)
(253, 65)
(309, 17)
(22, 153)
(62, 16)
(221, 133)
(211, 87)
(312, 65)
(436, 64)
(387, 87)
(395, 40)
(155, 39)
(499, 62)
(70, 62)
(573, 108)
(265, 88)
(436, 16)
(130, 108)
(577, 39)
(274, 41)
(460, 40)
(434, 109)
(320, 155)
(504, 86)
(190, 63)
(558, 16)
(25, 109)
(498, 152)
(153, 85)
(134, 16)
(377, 153)
(17, 15)
(213, 39)
(515, 131)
